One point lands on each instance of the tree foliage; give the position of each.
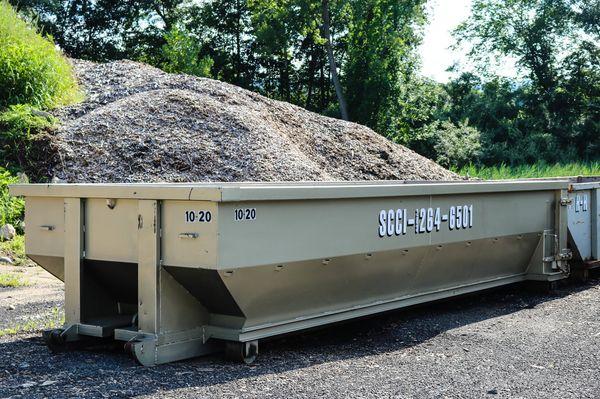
(553, 113)
(357, 59)
(180, 54)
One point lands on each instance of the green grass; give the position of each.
(531, 171)
(12, 280)
(55, 319)
(14, 249)
(32, 70)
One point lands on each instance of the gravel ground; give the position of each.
(506, 343)
(139, 124)
(33, 302)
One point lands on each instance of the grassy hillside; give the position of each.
(34, 77)
(32, 70)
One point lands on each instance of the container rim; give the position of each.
(273, 191)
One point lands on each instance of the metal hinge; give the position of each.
(565, 254)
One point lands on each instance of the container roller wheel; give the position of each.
(581, 275)
(245, 352)
(55, 340)
(128, 347)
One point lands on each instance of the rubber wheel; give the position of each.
(55, 340)
(581, 276)
(552, 287)
(245, 352)
(128, 347)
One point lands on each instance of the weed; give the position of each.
(12, 280)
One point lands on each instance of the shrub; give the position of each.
(20, 121)
(11, 208)
(17, 125)
(457, 145)
(32, 71)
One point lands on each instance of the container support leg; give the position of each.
(148, 267)
(595, 208)
(151, 344)
(74, 253)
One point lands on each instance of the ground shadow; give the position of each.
(87, 372)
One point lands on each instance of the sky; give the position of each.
(436, 56)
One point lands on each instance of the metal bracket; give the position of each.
(557, 258)
(566, 201)
(188, 235)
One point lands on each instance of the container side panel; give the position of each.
(189, 233)
(179, 310)
(208, 287)
(279, 293)
(111, 230)
(45, 226)
(258, 233)
(580, 222)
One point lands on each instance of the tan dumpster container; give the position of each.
(175, 270)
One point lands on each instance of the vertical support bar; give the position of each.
(148, 266)
(595, 208)
(560, 230)
(74, 247)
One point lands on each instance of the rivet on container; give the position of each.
(228, 273)
(405, 252)
(325, 262)
(439, 247)
(368, 256)
(469, 243)
(278, 268)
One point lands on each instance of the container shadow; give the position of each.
(96, 371)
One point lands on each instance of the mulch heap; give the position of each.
(139, 124)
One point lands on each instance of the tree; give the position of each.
(381, 61)
(555, 43)
(102, 30)
(226, 28)
(332, 64)
(181, 54)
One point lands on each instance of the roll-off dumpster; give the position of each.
(175, 270)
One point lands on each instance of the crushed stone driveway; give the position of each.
(506, 343)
